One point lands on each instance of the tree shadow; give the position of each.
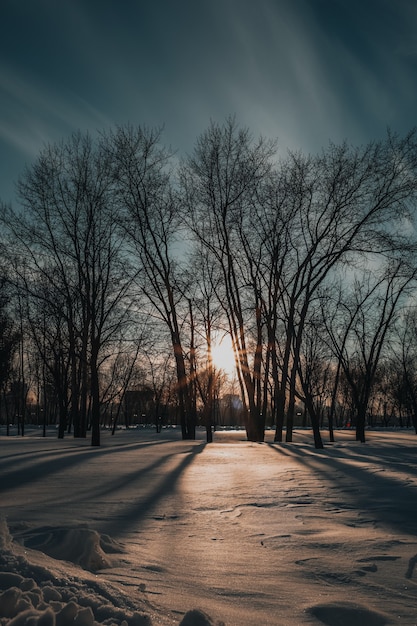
(76, 484)
(133, 512)
(370, 484)
(54, 461)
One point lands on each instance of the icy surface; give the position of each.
(148, 529)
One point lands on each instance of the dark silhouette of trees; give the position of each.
(403, 362)
(65, 238)
(278, 234)
(112, 231)
(346, 202)
(208, 321)
(152, 223)
(220, 182)
(369, 312)
(9, 341)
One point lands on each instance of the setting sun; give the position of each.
(223, 356)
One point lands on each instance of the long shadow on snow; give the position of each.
(128, 514)
(58, 461)
(391, 501)
(125, 481)
(65, 446)
(131, 514)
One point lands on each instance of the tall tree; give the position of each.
(370, 313)
(9, 340)
(349, 201)
(152, 224)
(208, 323)
(220, 182)
(401, 366)
(65, 235)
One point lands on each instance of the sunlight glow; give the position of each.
(223, 357)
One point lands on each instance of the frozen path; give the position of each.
(254, 534)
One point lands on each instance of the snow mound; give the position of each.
(80, 545)
(346, 614)
(42, 583)
(198, 618)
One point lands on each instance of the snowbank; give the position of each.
(37, 590)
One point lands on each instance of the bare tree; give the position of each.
(369, 313)
(9, 342)
(315, 372)
(220, 182)
(66, 236)
(349, 202)
(404, 363)
(208, 323)
(152, 223)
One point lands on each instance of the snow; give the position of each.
(148, 529)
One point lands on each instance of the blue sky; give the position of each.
(302, 71)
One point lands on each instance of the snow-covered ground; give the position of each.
(146, 528)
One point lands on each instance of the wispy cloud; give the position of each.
(34, 114)
(303, 72)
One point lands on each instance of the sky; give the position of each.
(304, 72)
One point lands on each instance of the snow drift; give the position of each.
(39, 591)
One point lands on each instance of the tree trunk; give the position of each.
(331, 431)
(95, 398)
(291, 405)
(315, 423)
(95, 409)
(360, 424)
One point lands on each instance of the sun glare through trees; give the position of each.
(223, 355)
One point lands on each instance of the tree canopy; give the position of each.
(122, 263)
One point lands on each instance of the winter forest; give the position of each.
(125, 264)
